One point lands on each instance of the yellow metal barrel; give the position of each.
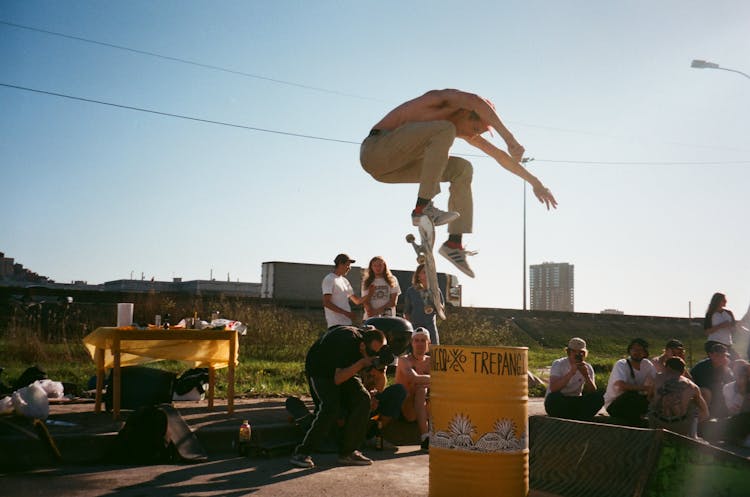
(479, 421)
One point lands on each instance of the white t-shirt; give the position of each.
(562, 367)
(340, 290)
(621, 372)
(723, 335)
(382, 294)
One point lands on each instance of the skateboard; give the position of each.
(299, 414)
(426, 257)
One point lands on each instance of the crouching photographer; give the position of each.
(332, 365)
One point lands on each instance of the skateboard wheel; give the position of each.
(410, 238)
(421, 259)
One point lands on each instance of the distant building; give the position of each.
(551, 286)
(15, 272)
(612, 311)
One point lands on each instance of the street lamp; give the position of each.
(703, 64)
(524, 161)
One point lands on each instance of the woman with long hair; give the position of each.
(380, 289)
(418, 308)
(719, 325)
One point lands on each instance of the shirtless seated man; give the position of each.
(411, 144)
(413, 372)
(677, 404)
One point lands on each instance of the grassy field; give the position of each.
(272, 352)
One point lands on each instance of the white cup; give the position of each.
(124, 314)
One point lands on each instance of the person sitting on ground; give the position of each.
(571, 392)
(673, 348)
(711, 374)
(385, 403)
(629, 384)
(677, 404)
(413, 372)
(331, 365)
(737, 399)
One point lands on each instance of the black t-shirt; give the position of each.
(705, 375)
(337, 349)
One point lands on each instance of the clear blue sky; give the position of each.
(648, 158)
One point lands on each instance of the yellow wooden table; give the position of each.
(117, 347)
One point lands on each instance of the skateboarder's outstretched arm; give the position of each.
(505, 160)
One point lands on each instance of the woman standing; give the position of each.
(719, 325)
(418, 307)
(380, 289)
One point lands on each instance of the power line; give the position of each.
(179, 116)
(309, 87)
(187, 61)
(336, 140)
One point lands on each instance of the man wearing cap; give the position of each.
(571, 392)
(677, 404)
(711, 374)
(338, 291)
(673, 348)
(629, 384)
(413, 372)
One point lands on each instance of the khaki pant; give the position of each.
(418, 153)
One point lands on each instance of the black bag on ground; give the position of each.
(141, 386)
(29, 376)
(143, 439)
(192, 378)
(156, 435)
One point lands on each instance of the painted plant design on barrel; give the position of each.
(502, 438)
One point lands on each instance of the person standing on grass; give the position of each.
(571, 392)
(337, 292)
(380, 289)
(418, 307)
(411, 144)
(719, 325)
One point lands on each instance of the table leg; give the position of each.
(99, 361)
(230, 375)
(211, 386)
(116, 378)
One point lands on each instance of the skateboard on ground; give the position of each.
(299, 414)
(426, 257)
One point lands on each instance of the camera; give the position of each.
(580, 356)
(383, 357)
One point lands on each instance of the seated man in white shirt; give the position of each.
(629, 384)
(571, 392)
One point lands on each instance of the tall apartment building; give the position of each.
(551, 286)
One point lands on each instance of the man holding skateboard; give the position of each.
(411, 144)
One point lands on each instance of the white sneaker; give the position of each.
(458, 257)
(437, 216)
